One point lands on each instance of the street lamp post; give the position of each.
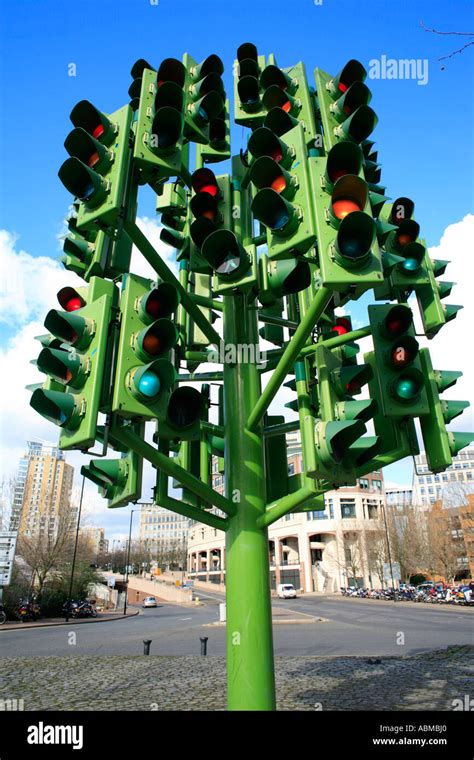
(68, 603)
(128, 557)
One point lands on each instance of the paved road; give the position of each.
(352, 627)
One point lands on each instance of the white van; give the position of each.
(286, 591)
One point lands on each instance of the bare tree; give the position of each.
(447, 34)
(444, 538)
(376, 546)
(48, 547)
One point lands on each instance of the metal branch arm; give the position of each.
(290, 355)
(163, 271)
(174, 470)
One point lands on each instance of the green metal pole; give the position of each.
(250, 667)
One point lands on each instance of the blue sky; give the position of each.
(424, 135)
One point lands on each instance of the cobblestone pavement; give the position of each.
(429, 681)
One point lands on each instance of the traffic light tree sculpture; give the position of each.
(295, 226)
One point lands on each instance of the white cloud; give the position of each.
(452, 347)
(29, 283)
(139, 264)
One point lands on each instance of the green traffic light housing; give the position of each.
(273, 76)
(270, 208)
(266, 172)
(212, 65)
(94, 122)
(70, 328)
(358, 126)
(357, 95)
(355, 237)
(275, 97)
(185, 407)
(225, 254)
(65, 367)
(161, 301)
(63, 409)
(279, 121)
(264, 142)
(344, 158)
(287, 276)
(352, 72)
(84, 183)
(107, 474)
(80, 144)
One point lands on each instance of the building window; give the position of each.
(364, 483)
(377, 485)
(348, 508)
(291, 468)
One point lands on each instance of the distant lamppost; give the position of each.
(68, 602)
(128, 557)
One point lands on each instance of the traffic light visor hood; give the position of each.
(185, 407)
(171, 70)
(225, 255)
(96, 123)
(352, 72)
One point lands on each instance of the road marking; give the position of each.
(186, 619)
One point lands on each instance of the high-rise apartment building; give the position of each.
(43, 489)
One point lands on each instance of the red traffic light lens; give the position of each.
(278, 184)
(342, 326)
(337, 173)
(394, 325)
(93, 160)
(73, 304)
(404, 239)
(344, 206)
(353, 387)
(211, 189)
(152, 344)
(98, 131)
(276, 154)
(286, 106)
(342, 87)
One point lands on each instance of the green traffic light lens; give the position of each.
(149, 384)
(406, 388)
(410, 265)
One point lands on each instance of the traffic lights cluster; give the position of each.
(301, 212)
(343, 190)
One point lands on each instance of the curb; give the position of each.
(28, 626)
(290, 621)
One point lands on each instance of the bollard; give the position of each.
(203, 645)
(146, 646)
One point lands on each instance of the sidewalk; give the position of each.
(102, 617)
(437, 680)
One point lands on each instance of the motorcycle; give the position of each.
(79, 609)
(28, 610)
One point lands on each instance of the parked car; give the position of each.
(150, 601)
(286, 591)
